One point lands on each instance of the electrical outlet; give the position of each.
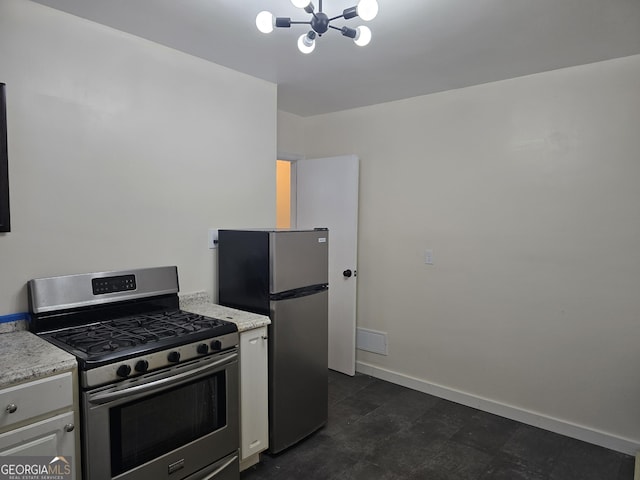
(428, 257)
(213, 238)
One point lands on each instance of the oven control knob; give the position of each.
(141, 366)
(216, 345)
(123, 370)
(174, 357)
(203, 348)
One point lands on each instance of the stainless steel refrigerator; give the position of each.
(284, 274)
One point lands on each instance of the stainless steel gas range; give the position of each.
(159, 386)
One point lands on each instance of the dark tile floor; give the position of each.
(381, 431)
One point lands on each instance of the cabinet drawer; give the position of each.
(29, 400)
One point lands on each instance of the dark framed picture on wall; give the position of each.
(5, 223)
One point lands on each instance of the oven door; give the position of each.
(171, 424)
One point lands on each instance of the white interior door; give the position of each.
(327, 196)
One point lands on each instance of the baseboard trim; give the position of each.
(556, 425)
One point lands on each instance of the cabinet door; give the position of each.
(46, 438)
(254, 423)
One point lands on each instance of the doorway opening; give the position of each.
(285, 194)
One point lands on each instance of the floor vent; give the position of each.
(371, 341)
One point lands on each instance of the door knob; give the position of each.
(347, 273)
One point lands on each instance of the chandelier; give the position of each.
(320, 23)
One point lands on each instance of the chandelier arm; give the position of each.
(300, 23)
(348, 32)
(335, 18)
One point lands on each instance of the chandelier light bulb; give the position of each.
(305, 44)
(265, 22)
(363, 36)
(367, 9)
(300, 3)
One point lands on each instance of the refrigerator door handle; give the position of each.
(299, 292)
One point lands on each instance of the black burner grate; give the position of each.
(127, 332)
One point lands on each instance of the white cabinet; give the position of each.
(254, 419)
(40, 418)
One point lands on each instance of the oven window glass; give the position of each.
(155, 425)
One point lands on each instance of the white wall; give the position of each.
(527, 191)
(291, 136)
(122, 152)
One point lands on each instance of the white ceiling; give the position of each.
(418, 46)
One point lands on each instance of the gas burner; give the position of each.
(109, 346)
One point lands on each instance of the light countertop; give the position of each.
(28, 357)
(200, 303)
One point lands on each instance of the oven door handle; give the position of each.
(172, 380)
(220, 469)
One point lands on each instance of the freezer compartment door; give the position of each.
(298, 259)
(243, 270)
(298, 369)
